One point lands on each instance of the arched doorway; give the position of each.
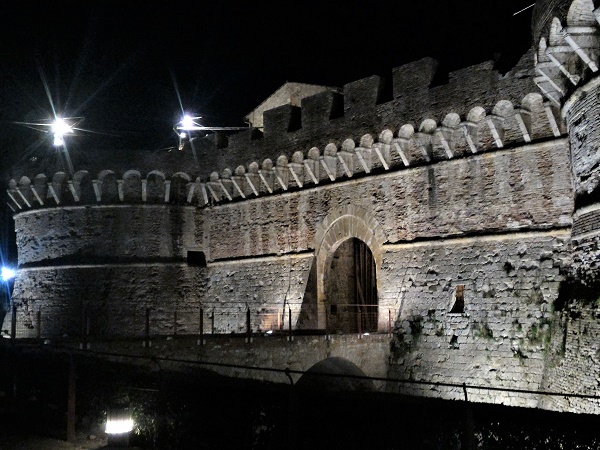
(350, 288)
(360, 237)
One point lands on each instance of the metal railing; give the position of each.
(353, 318)
(100, 322)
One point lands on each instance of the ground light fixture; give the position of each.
(119, 425)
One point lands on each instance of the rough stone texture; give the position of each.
(574, 355)
(510, 283)
(83, 235)
(584, 135)
(470, 187)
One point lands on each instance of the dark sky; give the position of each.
(127, 68)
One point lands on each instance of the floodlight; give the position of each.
(119, 421)
(60, 128)
(7, 273)
(187, 123)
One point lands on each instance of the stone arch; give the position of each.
(24, 187)
(366, 141)
(282, 161)
(504, 108)
(109, 186)
(406, 131)
(542, 56)
(314, 154)
(84, 187)
(533, 101)
(581, 14)
(298, 157)
(340, 225)
(386, 136)
(40, 185)
(335, 374)
(180, 186)
(59, 185)
(132, 186)
(555, 37)
(428, 126)
(155, 187)
(330, 149)
(452, 120)
(476, 114)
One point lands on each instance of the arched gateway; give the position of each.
(348, 248)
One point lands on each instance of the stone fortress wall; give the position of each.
(461, 187)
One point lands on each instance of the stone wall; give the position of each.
(499, 338)
(573, 364)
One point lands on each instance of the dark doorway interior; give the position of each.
(351, 289)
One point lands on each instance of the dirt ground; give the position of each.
(25, 442)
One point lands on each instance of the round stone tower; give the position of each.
(566, 37)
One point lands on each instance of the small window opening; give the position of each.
(196, 259)
(459, 300)
(454, 341)
(333, 309)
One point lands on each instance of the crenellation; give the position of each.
(414, 77)
(281, 120)
(317, 110)
(361, 96)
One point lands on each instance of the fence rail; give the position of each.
(94, 322)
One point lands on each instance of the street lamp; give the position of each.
(189, 123)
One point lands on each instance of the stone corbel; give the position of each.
(53, 193)
(263, 174)
(552, 120)
(281, 175)
(496, 125)
(311, 167)
(23, 198)
(238, 183)
(73, 191)
(167, 190)
(253, 181)
(97, 190)
(401, 145)
(214, 187)
(297, 173)
(190, 195)
(470, 131)
(364, 158)
(37, 196)
(13, 199)
(423, 141)
(226, 189)
(570, 39)
(383, 153)
(445, 135)
(524, 120)
(346, 160)
(144, 190)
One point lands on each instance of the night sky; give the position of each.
(128, 69)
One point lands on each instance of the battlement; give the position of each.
(417, 92)
(392, 149)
